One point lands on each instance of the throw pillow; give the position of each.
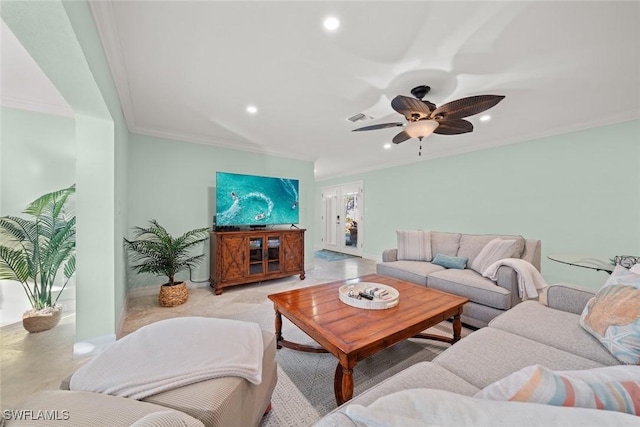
(613, 316)
(414, 245)
(457, 262)
(493, 251)
(430, 407)
(616, 389)
(635, 269)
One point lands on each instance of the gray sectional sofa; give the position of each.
(487, 299)
(531, 333)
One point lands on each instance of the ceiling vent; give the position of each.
(359, 118)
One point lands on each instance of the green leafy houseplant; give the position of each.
(155, 251)
(33, 251)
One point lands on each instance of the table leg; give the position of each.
(457, 328)
(343, 384)
(278, 328)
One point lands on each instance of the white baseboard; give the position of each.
(92, 346)
(122, 318)
(376, 258)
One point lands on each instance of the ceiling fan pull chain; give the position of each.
(420, 151)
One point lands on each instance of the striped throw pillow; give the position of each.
(612, 388)
(493, 251)
(414, 245)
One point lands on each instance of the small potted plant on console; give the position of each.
(157, 252)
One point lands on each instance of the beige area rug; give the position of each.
(304, 392)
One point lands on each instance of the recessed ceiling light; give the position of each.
(331, 23)
(252, 109)
(485, 118)
(387, 146)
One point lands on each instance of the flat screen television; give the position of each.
(251, 200)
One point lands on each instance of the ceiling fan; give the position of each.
(424, 118)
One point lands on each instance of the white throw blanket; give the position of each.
(529, 278)
(173, 353)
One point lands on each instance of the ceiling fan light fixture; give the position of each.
(421, 129)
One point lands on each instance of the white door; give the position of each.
(328, 218)
(343, 218)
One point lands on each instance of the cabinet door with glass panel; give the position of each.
(264, 254)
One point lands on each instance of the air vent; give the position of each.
(359, 117)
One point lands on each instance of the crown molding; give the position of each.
(103, 16)
(37, 107)
(219, 143)
(621, 118)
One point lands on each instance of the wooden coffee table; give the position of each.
(352, 334)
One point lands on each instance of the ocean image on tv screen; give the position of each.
(255, 200)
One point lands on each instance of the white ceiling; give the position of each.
(23, 84)
(187, 70)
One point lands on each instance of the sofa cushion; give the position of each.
(613, 315)
(468, 283)
(478, 315)
(86, 409)
(445, 243)
(612, 388)
(559, 329)
(426, 407)
(420, 375)
(568, 297)
(414, 245)
(472, 244)
(411, 271)
(446, 261)
(489, 354)
(493, 251)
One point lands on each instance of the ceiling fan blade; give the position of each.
(454, 127)
(378, 126)
(401, 137)
(413, 109)
(465, 107)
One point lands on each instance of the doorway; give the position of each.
(342, 218)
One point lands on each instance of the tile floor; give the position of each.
(33, 362)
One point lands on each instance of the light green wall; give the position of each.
(174, 183)
(37, 155)
(95, 289)
(89, 40)
(577, 193)
(62, 39)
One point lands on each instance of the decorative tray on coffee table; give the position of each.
(383, 296)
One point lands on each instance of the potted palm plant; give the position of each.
(33, 251)
(157, 252)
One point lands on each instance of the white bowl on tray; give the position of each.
(376, 303)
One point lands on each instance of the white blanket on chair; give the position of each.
(173, 353)
(529, 278)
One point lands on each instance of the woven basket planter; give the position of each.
(43, 320)
(170, 296)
